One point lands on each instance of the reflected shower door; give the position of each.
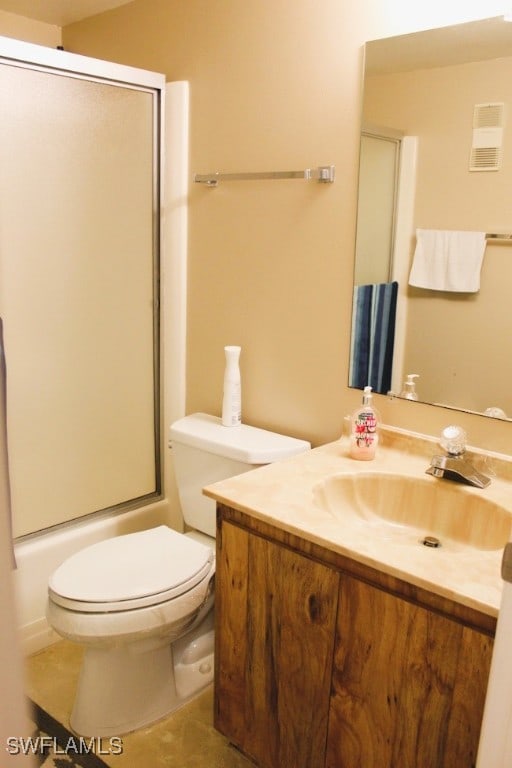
(378, 179)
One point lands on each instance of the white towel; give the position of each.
(447, 261)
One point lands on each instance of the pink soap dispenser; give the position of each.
(364, 425)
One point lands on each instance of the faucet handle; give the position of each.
(453, 440)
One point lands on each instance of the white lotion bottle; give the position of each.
(232, 399)
(409, 387)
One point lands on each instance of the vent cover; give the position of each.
(486, 149)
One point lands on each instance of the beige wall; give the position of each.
(447, 333)
(29, 31)
(274, 86)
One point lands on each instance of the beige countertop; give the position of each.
(285, 495)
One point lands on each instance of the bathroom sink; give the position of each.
(404, 508)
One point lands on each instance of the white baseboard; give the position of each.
(36, 636)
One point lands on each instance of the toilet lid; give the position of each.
(131, 571)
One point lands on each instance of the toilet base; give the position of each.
(125, 688)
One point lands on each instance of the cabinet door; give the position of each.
(275, 623)
(408, 685)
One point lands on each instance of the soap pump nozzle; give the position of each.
(409, 387)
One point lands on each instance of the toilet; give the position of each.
(141, 604)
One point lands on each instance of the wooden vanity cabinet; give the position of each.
(275, 627)
(408, 684)
(321, 662)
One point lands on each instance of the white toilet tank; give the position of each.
(205, 451)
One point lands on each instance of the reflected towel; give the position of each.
(447, 260)
(373, 336)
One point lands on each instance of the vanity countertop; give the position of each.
(282, 494)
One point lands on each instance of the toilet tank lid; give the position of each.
(244, 443)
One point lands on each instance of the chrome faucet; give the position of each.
(453, 465)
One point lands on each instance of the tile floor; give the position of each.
(185, 739)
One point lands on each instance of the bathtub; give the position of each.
(37, 557)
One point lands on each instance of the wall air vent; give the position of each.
(486, 148)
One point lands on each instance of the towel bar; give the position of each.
(504, 238)
(324, 174)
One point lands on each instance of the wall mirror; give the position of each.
(423, 93)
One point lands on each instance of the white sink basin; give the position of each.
(403, 507)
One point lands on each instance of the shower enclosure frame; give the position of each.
(38, 555)
(59, 62)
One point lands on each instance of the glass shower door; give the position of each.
(79, 292)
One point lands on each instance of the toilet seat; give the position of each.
(132, 571)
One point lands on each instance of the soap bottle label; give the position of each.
(365, 428)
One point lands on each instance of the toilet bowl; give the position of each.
(128, 618)
(141, 604)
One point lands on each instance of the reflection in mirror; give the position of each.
(436, 160)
